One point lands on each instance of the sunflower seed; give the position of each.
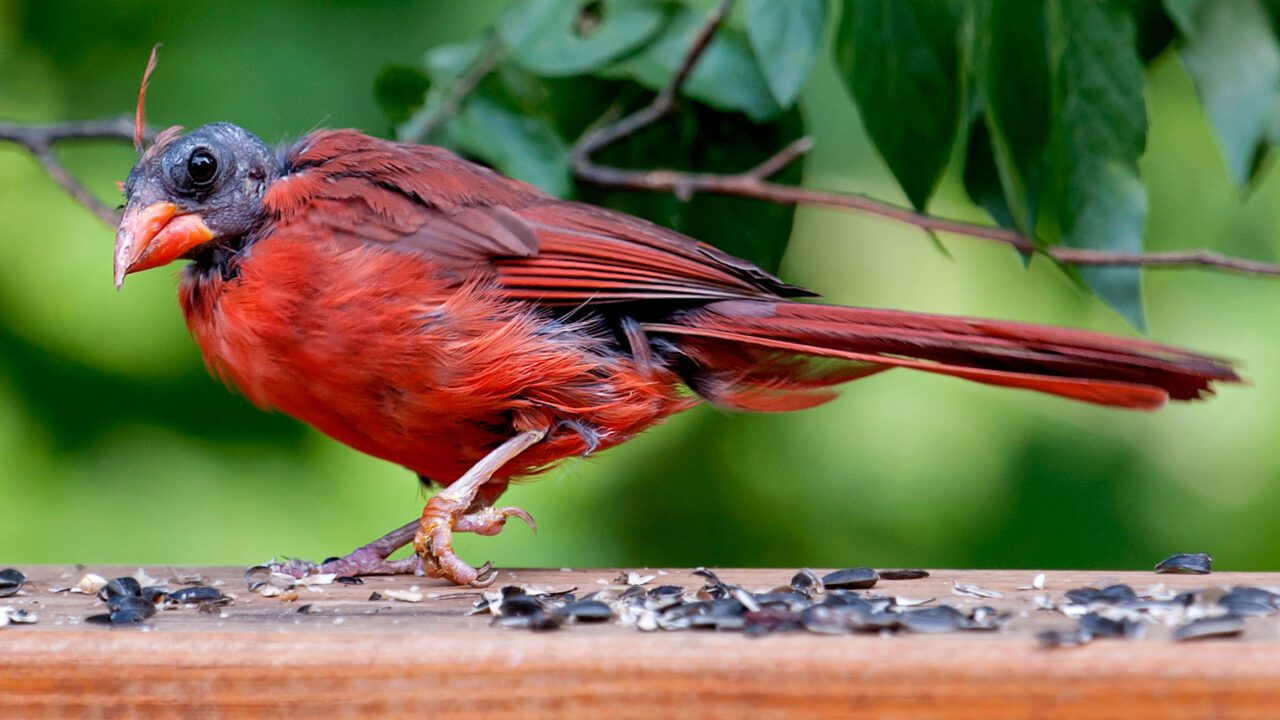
(144, 579)
(632, 577)
(323, 579)
(11, 581)
(539, 620)
(789, 600)
(17, 616)
(1224, 626)
(974, 591)
(1094, 625)
(769, 620)
(1186, 564)
(858, 578)
(911, 574)
(408, 596)
(827, 620)
(1037, 583)
(587, 611)
(197, 594)
(943, 618)
(1245, 600)
(90, 584)
(124, 610)
(121, 586)
(807, 583)
(663, 596)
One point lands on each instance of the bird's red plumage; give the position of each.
(423, 309)
(375, 349)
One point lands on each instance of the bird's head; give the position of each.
(190, 191)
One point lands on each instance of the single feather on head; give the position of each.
(140, 115)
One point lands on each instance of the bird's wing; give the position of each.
(466, 218)
(587, 253)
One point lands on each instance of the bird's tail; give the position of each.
(776, 356)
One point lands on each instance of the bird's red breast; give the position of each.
(337, 316)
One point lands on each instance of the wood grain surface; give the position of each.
(360, 658)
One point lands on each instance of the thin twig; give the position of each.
(420, 129)
(755, 184)
(40, 140)
(663, 103)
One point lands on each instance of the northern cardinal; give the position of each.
(430, 312)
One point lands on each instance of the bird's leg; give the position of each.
(370, 559)
(447, 513)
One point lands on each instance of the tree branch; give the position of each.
(420, 128)
(755, 184)
(40, 140)
(663, 103)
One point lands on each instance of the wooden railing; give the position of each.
(346, 655)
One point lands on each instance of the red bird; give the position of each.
(430, 312)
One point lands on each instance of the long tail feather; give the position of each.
(748, 354)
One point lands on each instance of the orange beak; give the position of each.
(156, 235)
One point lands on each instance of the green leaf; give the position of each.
(785, 36)
(981, 178)
(400, 90)
(900, 60)
(505, 121)
(1232, 56)
(1100, 131)
(571, 37)
(726, 76)
(495, 129)
(1011, 78)
(697, 136)
(446, 63)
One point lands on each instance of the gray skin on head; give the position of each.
(230, 202)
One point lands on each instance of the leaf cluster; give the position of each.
(1040, 103)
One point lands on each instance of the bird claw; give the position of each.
(485, 576)
(490, 520)
(433, 542)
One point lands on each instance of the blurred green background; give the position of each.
(115, 446)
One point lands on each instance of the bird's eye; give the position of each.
(202, 166)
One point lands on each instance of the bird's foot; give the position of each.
(489, 521)
(370, 559)
(441, 518)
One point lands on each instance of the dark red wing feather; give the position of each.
(1072, 363)
(591, 254)
(428, 202)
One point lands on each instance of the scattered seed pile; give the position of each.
(833, 604)
(1118, 611)
(267, 583)
(854, 600)
(129, 600)
(838, 603)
